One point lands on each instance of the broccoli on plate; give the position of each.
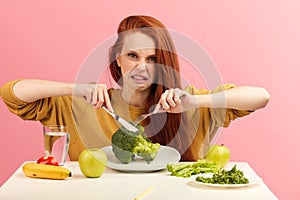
(127, 144)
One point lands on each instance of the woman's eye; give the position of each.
(132, 55)
(152, 58)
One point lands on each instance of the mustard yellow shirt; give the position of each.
(93, 128)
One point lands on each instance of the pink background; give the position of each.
(252, 42)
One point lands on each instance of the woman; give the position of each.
(144, 63)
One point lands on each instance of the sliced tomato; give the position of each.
(48, 160)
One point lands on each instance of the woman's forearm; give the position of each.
(30, 90)
(241, 98)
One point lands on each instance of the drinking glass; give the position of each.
(56, 142)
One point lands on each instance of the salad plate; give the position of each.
(252, 181)
(165, 155)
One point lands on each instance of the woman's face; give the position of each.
(137, 61)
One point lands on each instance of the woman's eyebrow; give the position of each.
(130, 50)
(137, 52)
(152, 55)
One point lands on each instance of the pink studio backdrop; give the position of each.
(251, 42)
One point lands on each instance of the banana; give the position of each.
(35, 170)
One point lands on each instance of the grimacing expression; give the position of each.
(137, 61)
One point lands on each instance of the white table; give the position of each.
(114, 185)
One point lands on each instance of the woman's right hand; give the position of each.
(175, 100)
(94, 94)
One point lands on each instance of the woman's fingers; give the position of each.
(94, 94)
(99, 98)
(103, 97)
(88, 96)
(107, 100)
(163, 100)
(171, 100)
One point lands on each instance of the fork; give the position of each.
(155, 111)
(144, 116)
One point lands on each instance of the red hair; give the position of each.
(168, 76)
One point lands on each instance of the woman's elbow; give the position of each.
(264, 98)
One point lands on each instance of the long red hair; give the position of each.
(174, 126)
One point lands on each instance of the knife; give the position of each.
(122, 121)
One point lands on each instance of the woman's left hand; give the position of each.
(176, 100)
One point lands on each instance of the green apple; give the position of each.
(92, 162)
(219, 154)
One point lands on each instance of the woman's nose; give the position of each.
(142, 67)
(142, 64)
(142, 61)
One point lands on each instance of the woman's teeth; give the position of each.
(139, 77)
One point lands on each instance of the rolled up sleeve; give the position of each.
(220, 117)
(13, 103)
(40, 110)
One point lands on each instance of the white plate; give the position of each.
(251, 182)
(164, 156)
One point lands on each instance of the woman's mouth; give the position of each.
(139, 79)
